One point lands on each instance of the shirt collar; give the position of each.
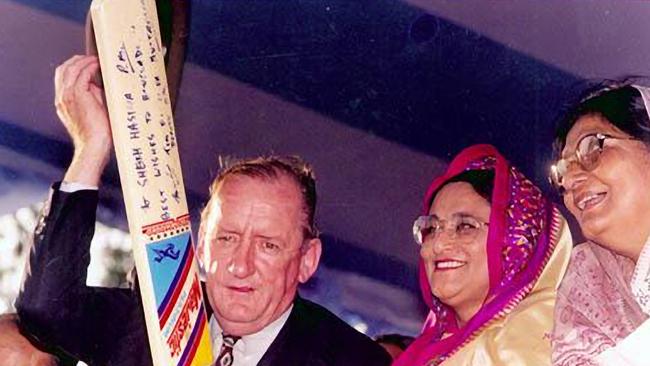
(250, 347)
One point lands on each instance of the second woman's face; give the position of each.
(612, 201)
(457, 269)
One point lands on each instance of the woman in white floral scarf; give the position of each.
(603, 174)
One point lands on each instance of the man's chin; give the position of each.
(239, 324)
(237, 311)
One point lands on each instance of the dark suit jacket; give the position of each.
(106, 326)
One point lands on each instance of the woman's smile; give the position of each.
(448, 264)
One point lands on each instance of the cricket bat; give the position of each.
(133, 70)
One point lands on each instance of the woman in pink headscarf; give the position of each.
(603, 175)
(493, 250)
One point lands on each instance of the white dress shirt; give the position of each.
(248, 351)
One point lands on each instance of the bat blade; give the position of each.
(133, 71)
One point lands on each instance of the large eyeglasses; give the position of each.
(587, 154)
(463, 228)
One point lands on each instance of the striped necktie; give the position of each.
(225, 355)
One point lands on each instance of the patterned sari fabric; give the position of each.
(596, 308)
(526, 234)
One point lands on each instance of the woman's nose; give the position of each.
(444, 240)
(574, 176)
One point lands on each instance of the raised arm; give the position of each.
(55, 305)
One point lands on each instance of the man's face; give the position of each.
(253, 251)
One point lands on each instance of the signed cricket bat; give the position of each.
(132, 63)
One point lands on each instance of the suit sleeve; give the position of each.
(54, 304)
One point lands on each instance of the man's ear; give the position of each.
(310, 259)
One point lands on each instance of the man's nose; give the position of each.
(242, 262)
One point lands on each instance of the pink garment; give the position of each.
(521, 238)
(595, 307)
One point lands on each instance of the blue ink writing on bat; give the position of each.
(168, 252)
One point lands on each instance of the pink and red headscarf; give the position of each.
(520, 241)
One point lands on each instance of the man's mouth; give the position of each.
(448, 264)
(241, 289)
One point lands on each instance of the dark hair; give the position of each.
(481, 180)
(620, 103)
(271, 168)
(399, 340)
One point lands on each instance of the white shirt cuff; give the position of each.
(71, 187)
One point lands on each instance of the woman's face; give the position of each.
(457, 268)
(612, 201)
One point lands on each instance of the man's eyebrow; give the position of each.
(274, 237)
(221, 227)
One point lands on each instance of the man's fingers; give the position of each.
(71, 72)
(68, 62)
(60, 71)
(98, 93)
(72, 80)
(60, 77)
(86, 73)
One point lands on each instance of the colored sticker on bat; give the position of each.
(178, 296)
(169, 262)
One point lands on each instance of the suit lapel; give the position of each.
(285, 350)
